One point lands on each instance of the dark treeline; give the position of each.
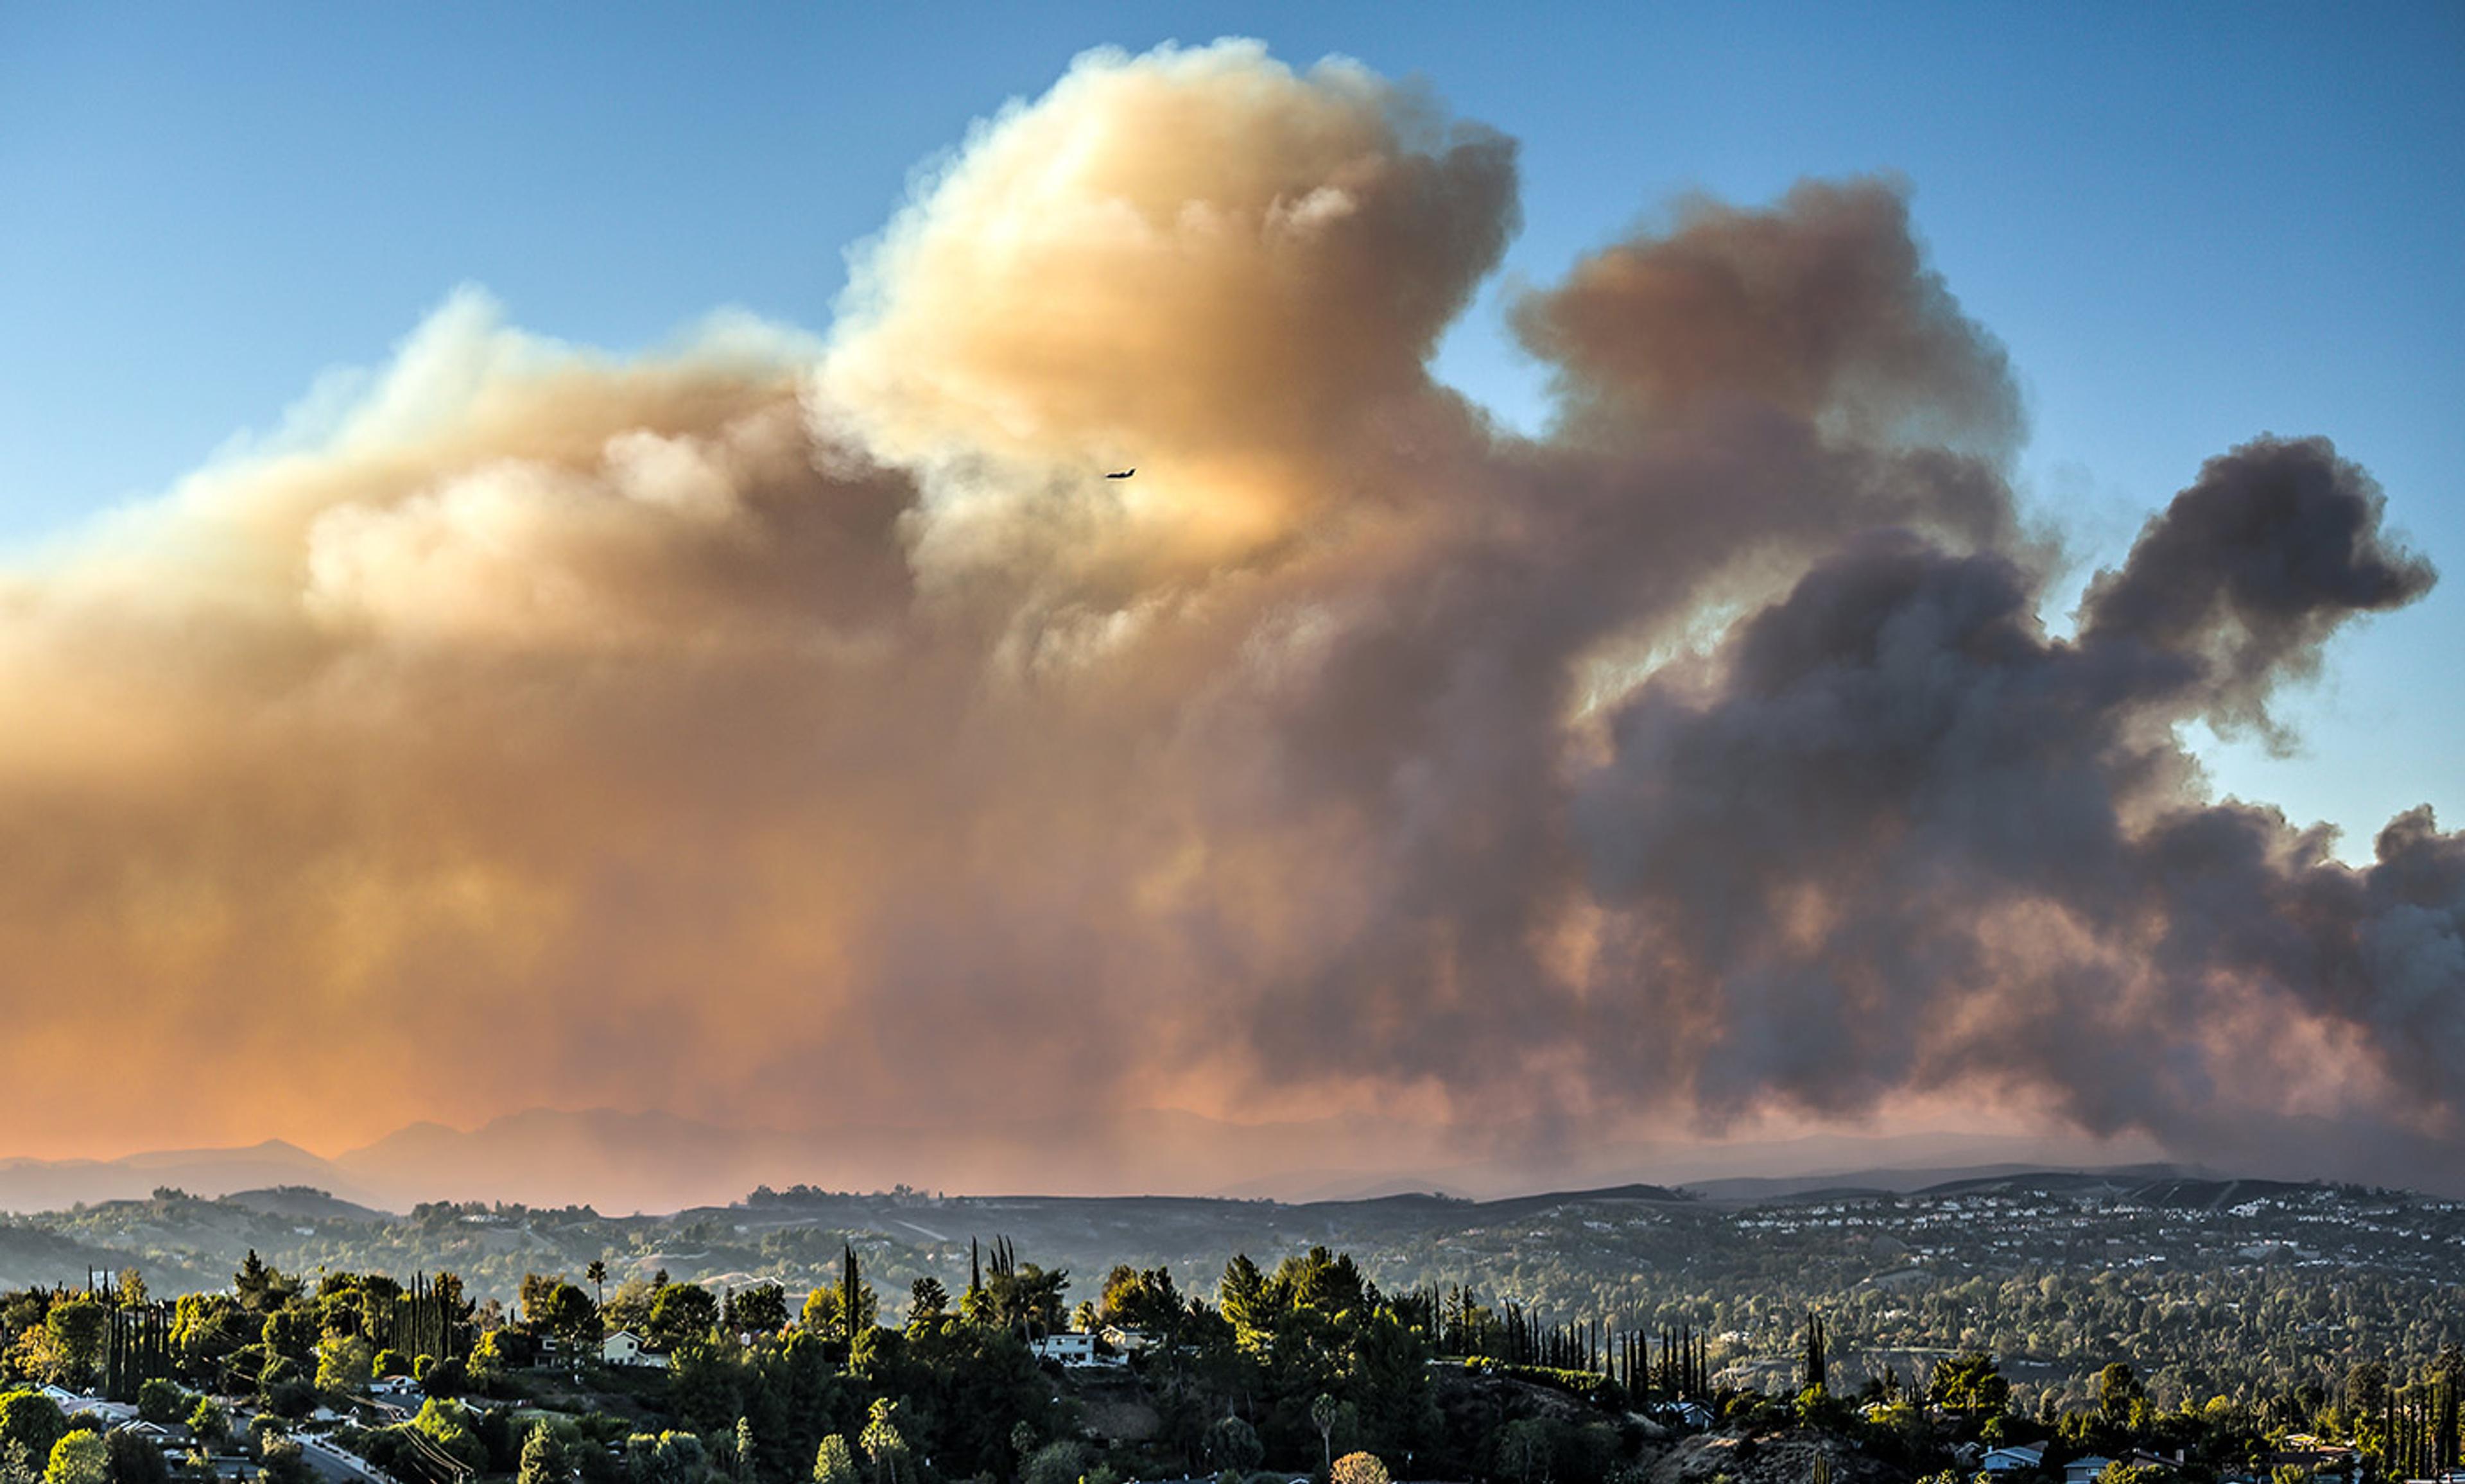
(1670, 1363)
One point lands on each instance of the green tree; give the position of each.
(630, 1306)
(80, 1457)
(682, 1312)
(1146, 1300)
(132, 1459)
(759, 1310)
(1063, 1462)
(927, 1301)
(532, 1294)
(1525, 1448)
(2118, 1388)
(345, 1363)
(290, 1334)
(162, 1402)
(884, 1448)
(1232, 1443)
(447, 1428)
(495, 1352)
(205, 1329)
(76, 1328)
(543, 1460)
(1018, 1295)
(568, 1314)
(1242, 1297)
(263, 1429)
(210, 1422)
(1970, 1384)
(2367, 1388)
(33, 1421)
(261, 1287)
(824, 1315)
(833, 1463)
(441, 1376)
(1321, 1415)
(282, 1461)
(665, 1458)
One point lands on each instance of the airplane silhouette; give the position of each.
(1124, 473)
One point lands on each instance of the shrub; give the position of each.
(1055, 1462)
(1358, 1469)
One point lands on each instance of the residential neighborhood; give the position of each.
(357, 1378)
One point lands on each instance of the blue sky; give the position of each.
(2189, 225)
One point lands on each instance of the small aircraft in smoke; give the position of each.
(1124, 473)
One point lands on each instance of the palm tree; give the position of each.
(1323, 1416)
(597, 1274)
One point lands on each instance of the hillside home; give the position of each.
(1070, 1349)
(2303, 1452)
(172, 1440)
(2085, 1471)
(2011, 1460)
(627, 1348)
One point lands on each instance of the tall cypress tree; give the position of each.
(846, 1301)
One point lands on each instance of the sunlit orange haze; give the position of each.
(799, 732)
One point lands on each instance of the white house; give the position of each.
(1069, 1348)
(2081, 1470)
(2011, 1460)
(627, 1348)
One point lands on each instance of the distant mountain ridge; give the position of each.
(617, 1161)
(27, 1184)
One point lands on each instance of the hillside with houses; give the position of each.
(2212, 1286)
(1307, 1368)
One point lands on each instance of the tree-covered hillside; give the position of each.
(2245, 1288)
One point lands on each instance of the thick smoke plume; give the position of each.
(795, 731)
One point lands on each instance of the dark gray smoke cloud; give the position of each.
(803, 732)
(1898, 837)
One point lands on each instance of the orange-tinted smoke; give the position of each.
(803, 733)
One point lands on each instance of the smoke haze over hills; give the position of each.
(618, 1163)
(799, 733)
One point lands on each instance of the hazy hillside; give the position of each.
(618, 1161)
(1618, 1241)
